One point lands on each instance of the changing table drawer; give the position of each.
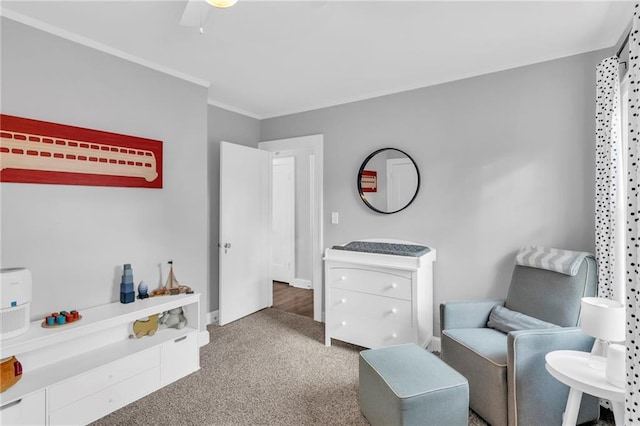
(368, 332)
(380, 283)
(375, 307)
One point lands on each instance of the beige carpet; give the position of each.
(270, 368)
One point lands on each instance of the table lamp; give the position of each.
(605, 319)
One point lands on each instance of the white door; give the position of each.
(402, 181)
(283, 220)
(244, 255)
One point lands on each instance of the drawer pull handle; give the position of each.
(343, 323)
(394, 311)
(180, 339)
(394, 285)
(394, 335)
(343, 301)
(11, 404)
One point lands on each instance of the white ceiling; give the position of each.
(270, 58)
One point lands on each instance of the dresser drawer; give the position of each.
(371, 281)
(107, 400)
(371, 306)
(28, 410)
(179, 357)
(367, 332)
(93, 381)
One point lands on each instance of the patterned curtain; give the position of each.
(632, 401)
(609, 213)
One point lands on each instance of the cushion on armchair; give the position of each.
(506, 320)
(551, 296)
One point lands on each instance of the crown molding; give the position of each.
(233, 109)
(76, 38)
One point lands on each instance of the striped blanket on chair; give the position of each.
(557, 260)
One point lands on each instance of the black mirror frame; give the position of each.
(359, 180)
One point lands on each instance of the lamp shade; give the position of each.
(603, 319)
(222, 3)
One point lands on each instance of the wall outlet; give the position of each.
(212, 318)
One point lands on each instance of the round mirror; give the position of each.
(388, 180)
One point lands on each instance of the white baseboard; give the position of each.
(300, 283)
(203, 338)
(434, 345)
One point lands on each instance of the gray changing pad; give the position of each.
(385, 248)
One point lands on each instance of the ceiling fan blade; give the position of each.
(195, 13)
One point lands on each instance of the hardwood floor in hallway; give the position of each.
(292, 299)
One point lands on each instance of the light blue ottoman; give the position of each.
(407, 385)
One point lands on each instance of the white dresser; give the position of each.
(80, 372)
(374, 300)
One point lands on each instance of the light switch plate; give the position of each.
(334, 218)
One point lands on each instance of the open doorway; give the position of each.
(291, 299)
(289, 294)
(306, 273)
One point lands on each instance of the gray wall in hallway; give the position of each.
(506, 159)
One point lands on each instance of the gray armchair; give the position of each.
(508, 383)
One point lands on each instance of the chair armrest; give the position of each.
(529, 384)
(466, 313)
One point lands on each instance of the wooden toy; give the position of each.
(143, 290)
(58, 319)
(145, 327)
(172, 286)
(127, 295)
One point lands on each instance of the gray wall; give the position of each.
(75, 239)
(224, 126)
(506, 159)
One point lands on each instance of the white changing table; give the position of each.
(375, 300)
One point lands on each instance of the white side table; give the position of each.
(570, 367)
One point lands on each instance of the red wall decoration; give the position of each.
(369, 181)
(33, 151)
